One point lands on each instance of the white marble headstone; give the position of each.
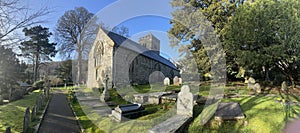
(185, 101)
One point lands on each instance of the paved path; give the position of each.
(59, 117)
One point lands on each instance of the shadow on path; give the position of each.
(59, 117)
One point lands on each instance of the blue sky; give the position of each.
(140, 16)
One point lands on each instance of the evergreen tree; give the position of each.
(38, 46)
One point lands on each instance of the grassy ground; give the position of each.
(12, 114)
(263, 115)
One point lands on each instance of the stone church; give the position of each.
(120, 61)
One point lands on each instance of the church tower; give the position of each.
(150, 42)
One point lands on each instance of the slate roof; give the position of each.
(131, 45)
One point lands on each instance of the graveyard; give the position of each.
(140, 66)
(259, 112)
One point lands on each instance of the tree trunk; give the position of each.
(79, 67)
(36, 66)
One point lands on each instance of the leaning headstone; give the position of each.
(284, 86)
(167, 81)
(33, 113)
(185, 101)
(251, 82)
(7, 130)
(178, 122)
(26, 120)
(257, 88)
(175, 80)
(180, 81)
(37, 104)
(229, 111)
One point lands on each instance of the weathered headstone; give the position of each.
(251, 82)
(7, 130)
(229, 111)
(185, 101)
(257, 88)
(184, 114)
(33, 113)
(26, 120)
(180, 81)
(167, 81)
(175, 80)
(37, 104)
(284, 86)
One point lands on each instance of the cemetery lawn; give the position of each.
(12, 114)
(263, 114)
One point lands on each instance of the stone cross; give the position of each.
(167, 81)
(26, 120)
(185, 102)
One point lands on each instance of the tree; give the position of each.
(265, 34)
(69, 29)
(64, 71)
(10, 71)
(217, 12)
(14, 16)
(38, 47)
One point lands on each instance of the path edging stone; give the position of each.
(37, 127)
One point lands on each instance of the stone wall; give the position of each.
(100, 60)
(134, 68)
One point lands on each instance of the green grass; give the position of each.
(263, 115)
(12, 114)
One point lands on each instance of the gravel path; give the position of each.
(59, 117)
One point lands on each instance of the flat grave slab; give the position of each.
(229, 111)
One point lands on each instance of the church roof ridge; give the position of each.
(136, 47)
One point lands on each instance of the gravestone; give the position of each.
(185, 102)
(251, 82)
(37, 104)
(229, 111)
(284, 86)
(178, 122)
(180, 81)
(26, 120)
(257, 88)
(128, 111)
(33, 113)
(167, 81)
(175, 80)
(7, 130)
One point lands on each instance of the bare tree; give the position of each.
(14, 16)
(68, 34)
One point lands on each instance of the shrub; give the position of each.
(39, 84)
